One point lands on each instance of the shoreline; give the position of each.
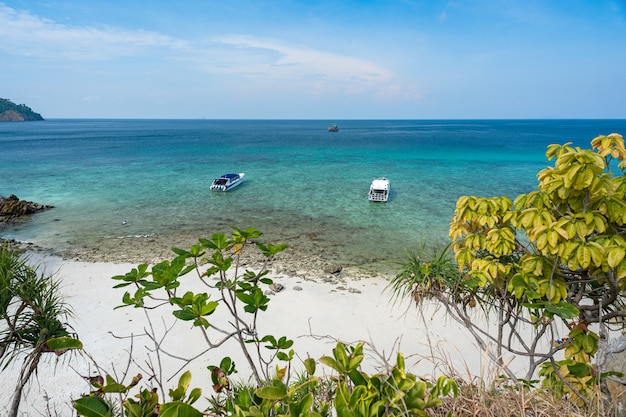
(297, 260)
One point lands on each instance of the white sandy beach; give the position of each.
(349, 309)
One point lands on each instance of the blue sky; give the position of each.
(296, 59)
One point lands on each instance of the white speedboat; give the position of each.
(379, 190)
(226, 182)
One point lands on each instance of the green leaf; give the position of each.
(207, 243)
(357, 377)
(302, 407)
(271, 392)
(580, 370)
(284, 343)
(201, 322)
(114, 387)
(181, 252)
(245, 298)
(341, 356)
(355, 361)
(563, 309)
(309, 365)
(344, 412)
(196, 251)
(92, 407)
(615, 256)
(185, 314)
(270, 249)
(219, 241)
(227, 365)
(133, 409)
(358, 394)
(415, 401)
(377, 409)
(178, 409)
(185, 380)
(209, 308)
(194, 395)
(330, 362)
(63, 343)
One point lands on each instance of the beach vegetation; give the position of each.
(276, 388)
(546, 271)
(33, 318)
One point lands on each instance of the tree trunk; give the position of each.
(30, 365)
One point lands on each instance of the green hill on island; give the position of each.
(11, 112)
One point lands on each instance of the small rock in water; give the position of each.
(276, 287)
(354, 291)
(297, 288)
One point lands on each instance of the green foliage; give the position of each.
(32, 317)
(394, 393)
(144, 404)
(237, 291)
(281, 345)
(348, 390)
(423, 278)
(569, 378)
(344, 361)
(194, 307)
(215, 261)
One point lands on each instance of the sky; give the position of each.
(324, 59)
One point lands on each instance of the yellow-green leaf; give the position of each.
(272, 392)
(583, 256)
(615, 255)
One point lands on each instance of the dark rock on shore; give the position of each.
(12, 207)
(333, 269)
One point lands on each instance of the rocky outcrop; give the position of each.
(12, 207)
(11, 112)
(11, 116)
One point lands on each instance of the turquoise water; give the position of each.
(304, 186)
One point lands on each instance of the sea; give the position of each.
(115, 182)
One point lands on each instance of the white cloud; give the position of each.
(24, 34)
(28, 35)
(276, 61)
(248, 62)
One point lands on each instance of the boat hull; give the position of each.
(227, 182)
(379, 190)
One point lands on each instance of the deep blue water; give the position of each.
(303, 186)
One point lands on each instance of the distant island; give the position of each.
(11, 112)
